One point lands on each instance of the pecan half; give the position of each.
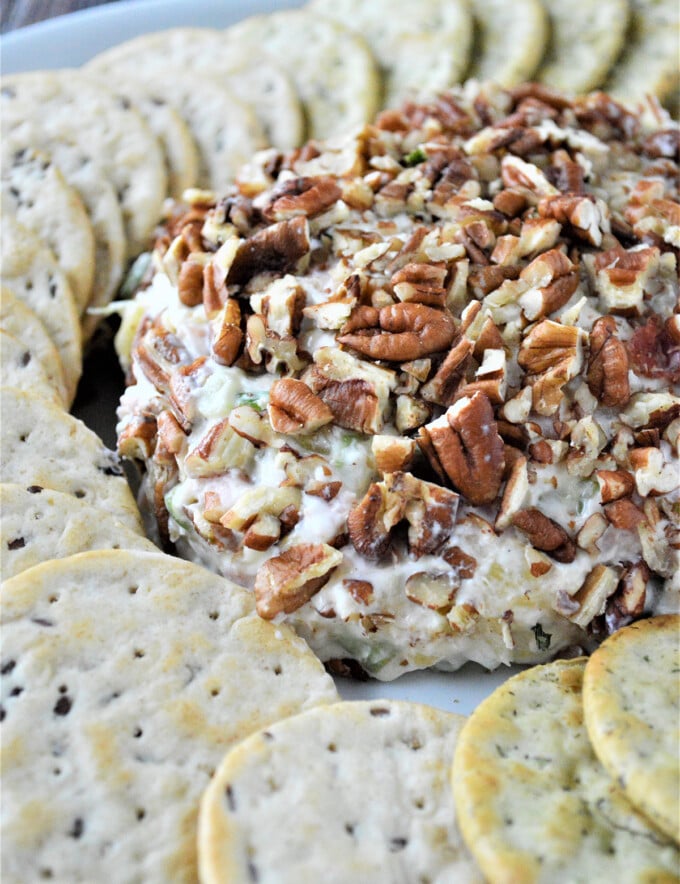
(544, 534)
(276, 249)
(229, 336)
(302, 196)
(421, 284)
(551, 354)
(286, 582)
(608, 364)
(294, 409)
(401, 332)
(464, 447)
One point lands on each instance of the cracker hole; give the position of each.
(16, 691)
(79, 493)
(8, 667)
(53, 599)
(349, 828)
(46, 874)
(419, 803)
(2, 713)
(77, 828)
(139, 654)
(23, 437)
(379, 711)
(132, 590)
(213, 615)
(278, 670)
(215, 692)
(140, 813)
(56, 771)
(397, 844)
(332, 747)
(137, 733)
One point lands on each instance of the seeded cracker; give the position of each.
(20, 368)
(42, 445)
(586, 39)
(35, 191)
(31, 273)
(38, 524)
(368, 782)
(534, 803)
(332, 68)
(424, 48)
(126, 677)
(72, 108)
(631, 695)
(510, 40)
(261, 83)
(22, 323)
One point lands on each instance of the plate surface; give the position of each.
(69, 41)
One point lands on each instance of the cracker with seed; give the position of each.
(38, 524)
(43, 445)
(510, 40)
(586, 39)
(419, 49)
(127, 675)
(30, 271)
(260, 84)
(20, 368)
(82, 170)
(332, 68)
(35, 191)
(649, 61)
(369, 783)
(533, 801)
(70, 107)
(23, 324)
(631, 697)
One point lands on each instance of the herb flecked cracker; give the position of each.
(126, 677)
(23, 323)
(35, 191)
(30, 271)
(332, 68)
(586, 39)
(20, 367)
(423, 48)
(510, 40)
(73, 108)
(38, 524)
(631, 697)
(533, 801)
(348, 792)
(40, 444)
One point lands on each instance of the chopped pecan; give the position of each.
(515, 494)
(624, 515)
(653, 474)
(490, 378)
(464, 448)
(553, 280)
(510, 202)
(614, 484)
(442, 387)
(295, 410)
(432, 590)
(608, 364)
(527, 177)
(628, 601)
(401, 332)
(370, 521)
(411, 413)
(545, 534)
(229, 336)
(421, 283)
(217, 451)
(302, 196)
(551, 354)
(483, 280)
(190, 282)
(275, 249)
(278, 352)
(586, 216)
(392, 453)
(171, 436)
(623, 276)
(254, 505)
(592, 597)
(593, 528)
(286, 582)
(360, 590)
(464, 564)
(655, 350)
(138, 440)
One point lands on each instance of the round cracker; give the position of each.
(127, 676)
(38, 524)
(83, 172)
(510, 39)
(262, 85)
(73, 108)
(36, 192)
(586, 39)
(649, 62)
(22, 323)
(332, 68)
(535, 804)
(419, 49)
(43, 445)
(369, 781)
(631, 698)
(19, 367)
(30, 271)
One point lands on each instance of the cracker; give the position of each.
(73, 108)
(369, 783)
(419, 49)
(260, 84)
(631, 697)
(83, 172)
(533, 801)
(19, 367)
(38, 524)
(36, 192)
(42, 445)
(510, 40)
(126, 677)
(332, 68)
(30, 271)
(649, 62)
(586, 39)
(22, 323)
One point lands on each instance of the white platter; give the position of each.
(70, 40)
